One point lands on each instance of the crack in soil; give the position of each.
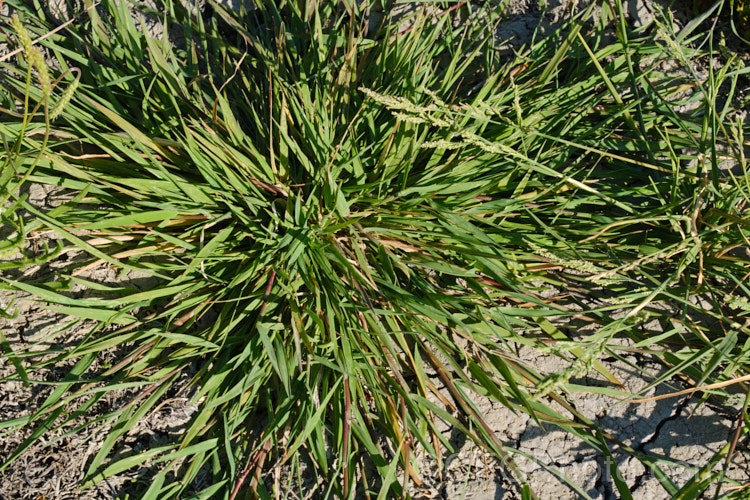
(641, 447)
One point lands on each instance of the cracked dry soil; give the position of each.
(669, 427)
(680, 428)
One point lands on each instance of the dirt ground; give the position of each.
(678, 428)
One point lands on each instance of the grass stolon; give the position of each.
(341, 219)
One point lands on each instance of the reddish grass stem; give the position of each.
(259, 458)
(267, 294)
(256, 462)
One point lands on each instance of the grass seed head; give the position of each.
(580, 366)
(33, 55)
(390, 102)
(442, 144)
(65, 98)
(24, 40)
(36, 59)
(436, 99)
(583, 266)
(405, 117)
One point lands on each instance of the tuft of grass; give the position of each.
(342, 218)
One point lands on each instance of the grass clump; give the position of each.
(341, 217)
